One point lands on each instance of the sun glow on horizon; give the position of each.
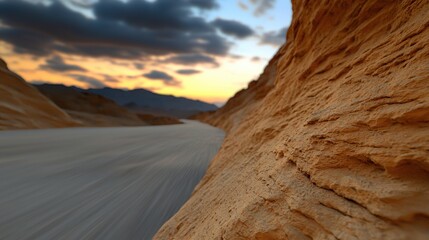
(213, 85)
(197, 74)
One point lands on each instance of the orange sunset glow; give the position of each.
(211, 77)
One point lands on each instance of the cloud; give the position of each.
(158, 75)
(139, 66)
(274, 38)
(83, 3)
(204, 4)
(110, 79)
(164, 77)
(235, 56)
(243, 6)
(233, 28)
(120, 29)
(262, 6)
(188, 71)
(159, 15)
(192, 59)
(256, 59)
(24, 41)
(56, 63)
(90, 81)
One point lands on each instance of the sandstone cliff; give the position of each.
(339, 147)
(22, 106)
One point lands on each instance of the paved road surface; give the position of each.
(99, 183)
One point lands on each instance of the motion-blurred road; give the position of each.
(99, 183)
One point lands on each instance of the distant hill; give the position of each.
(92, 109)
(72, 98)
(88, 108)
(145, 101)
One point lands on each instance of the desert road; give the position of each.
(99, 183)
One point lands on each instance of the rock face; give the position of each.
(339, 147)
(23, 107)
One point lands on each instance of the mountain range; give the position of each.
(144, 101)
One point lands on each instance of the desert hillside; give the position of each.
(93, 110)
(23, 107)
(332, 142)
(147, 102)
(88, 108)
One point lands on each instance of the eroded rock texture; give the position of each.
(338, 146)
(23, 107)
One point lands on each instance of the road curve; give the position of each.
(99, 183)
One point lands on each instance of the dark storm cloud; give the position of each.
(27, 42)
(262, 6)
(274, 38)
(93, 50)
(39, 44)
(159, 15)
(233, 28)
(40, 29)
(187, 71)
(92, 82)
(162, 76)
(192, 59)
(204, 4)
(56, 63)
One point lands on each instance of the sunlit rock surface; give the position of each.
(338, 146)
(23, 107)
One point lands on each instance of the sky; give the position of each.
(199, 49)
